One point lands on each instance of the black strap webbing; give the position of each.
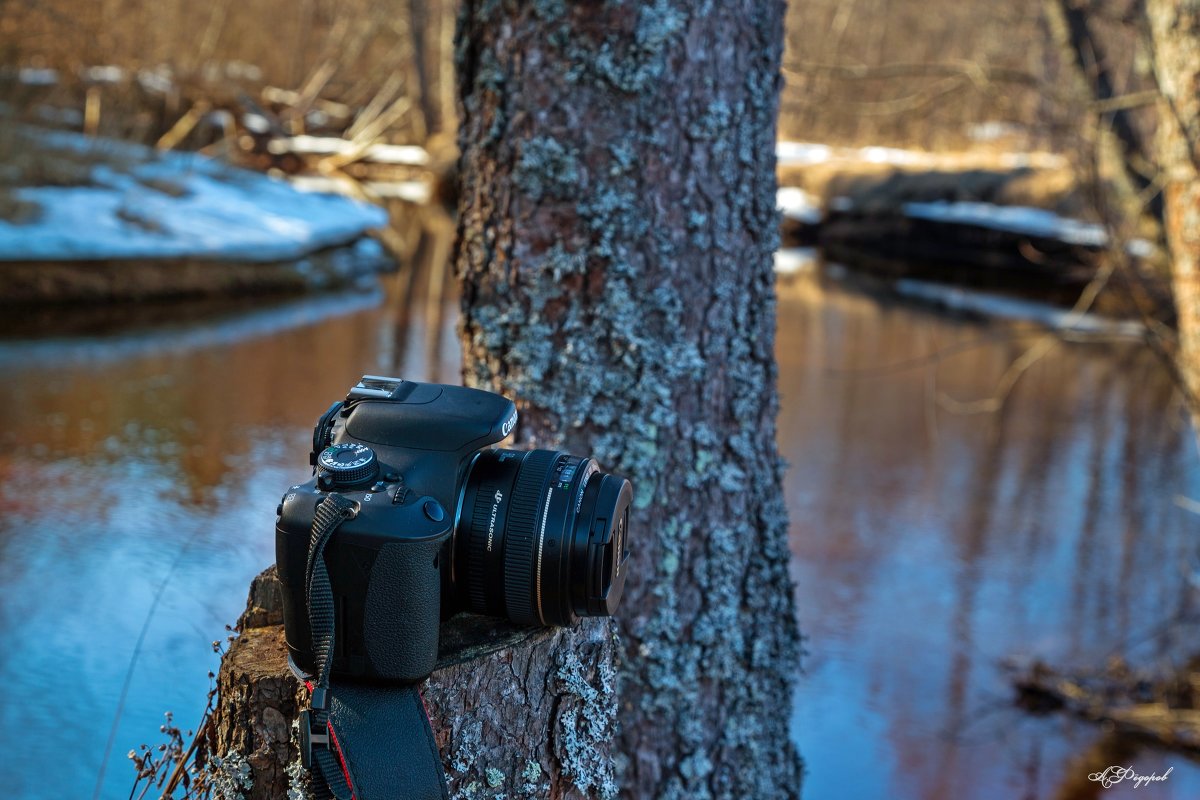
(328, 778)
(380, 734)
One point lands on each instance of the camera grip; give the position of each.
(403, 611)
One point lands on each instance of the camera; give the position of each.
(443, 523)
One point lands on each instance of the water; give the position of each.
(139, 474)
(140, 471)
(931, 545)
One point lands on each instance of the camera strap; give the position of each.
(361, 742)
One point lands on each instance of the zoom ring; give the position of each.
(477, 559)
(521, 535)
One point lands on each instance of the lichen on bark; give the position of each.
(518, 713)
(617, 224)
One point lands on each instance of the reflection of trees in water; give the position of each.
(1047, 527)
(1095, 502)
(970, 570)
(422, 291)
(197, 412)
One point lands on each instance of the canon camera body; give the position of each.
(443, 523)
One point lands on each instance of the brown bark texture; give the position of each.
(519, 712)
(616, 228)
(1175, 33)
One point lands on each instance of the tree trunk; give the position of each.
(1084, 52)
(1175, 31)
(518, 712)
(616, 231)
(418, 30)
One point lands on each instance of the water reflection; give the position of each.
(141, 457)
(932, 545)
(929, 545)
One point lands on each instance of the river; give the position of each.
(140, 467)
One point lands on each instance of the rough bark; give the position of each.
(1175, 31)
(519, 712)
(616, 230)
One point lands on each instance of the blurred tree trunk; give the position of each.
(1175, 32)
(420, 30)
(1084, 51)
(617, 224)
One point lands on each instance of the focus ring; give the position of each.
(477, 558)
(520, 536)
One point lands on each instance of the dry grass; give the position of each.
(906, 73)
(927, 73)
(978, 175)
(175, 58)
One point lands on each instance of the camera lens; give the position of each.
(540, 537)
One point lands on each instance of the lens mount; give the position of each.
(541, 537)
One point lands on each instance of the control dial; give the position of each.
(347, 463)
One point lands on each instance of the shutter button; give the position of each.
(433, 510)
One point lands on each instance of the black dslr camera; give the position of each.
(442, 523)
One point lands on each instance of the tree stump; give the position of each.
(517, 712)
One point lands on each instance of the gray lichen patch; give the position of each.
(468, 746)
(532, 772)
(546, 169)
(229, 777)
(584, 724)
(502, 714)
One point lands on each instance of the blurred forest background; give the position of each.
(1051, 105)
(898, 73)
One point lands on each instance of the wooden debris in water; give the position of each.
(1159, 707)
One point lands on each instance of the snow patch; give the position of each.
(800, 153)
(415, 192)
(405, 155)
(997, 306)
(157, 80)
(799, 205)
(1017, 219)
(808, 153)
(893, 155)
(177, 205)
(795, 260)
(37, 76)
(109, 74)
(1022, 219)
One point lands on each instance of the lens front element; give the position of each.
(541, 537)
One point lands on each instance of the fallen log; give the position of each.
(517, 712)
(1159, 709)
(96, 281)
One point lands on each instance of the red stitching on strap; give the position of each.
(341, 758)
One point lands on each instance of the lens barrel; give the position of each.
(541, 537)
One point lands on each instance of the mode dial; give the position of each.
(347, 463)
